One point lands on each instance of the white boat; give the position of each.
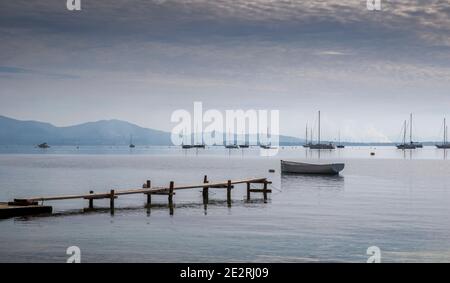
(306, 168)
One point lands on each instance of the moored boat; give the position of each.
(43, 145)
(291, 167)
(231, 146)
(320, 145)
(445, 144)
(411, 144)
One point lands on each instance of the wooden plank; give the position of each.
(229, 193)
(222, 184)
(161, 193)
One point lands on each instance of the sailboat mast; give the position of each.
(446, 135)
(319, 130)
(410, 128)
(404, 133)
(445, 130)
(306, 139)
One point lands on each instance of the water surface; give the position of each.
(398, 201)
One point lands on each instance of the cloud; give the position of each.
(14, 70)
(8, 71)
(283, 53)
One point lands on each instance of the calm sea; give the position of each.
(398, 201)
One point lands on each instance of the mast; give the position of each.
(446, 134)
(445, 131)
(319, 129)
(306, 139)
(404, 133)
(410, 128)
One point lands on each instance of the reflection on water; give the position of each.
(355, 152)
(299, 181)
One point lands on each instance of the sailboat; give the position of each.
(267, 145)
(189, 146)
(321, 145)
(339, 144)
(411, 144)
(246, 143)
(306, 145)
(202, 145)
(445, 144)
(231, 146)
(131, 142)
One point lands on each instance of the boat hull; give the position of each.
(407, 146)
(232, 146)
(443, 146)
(315, 169)
(322, 146)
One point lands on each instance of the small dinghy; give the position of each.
(305, 168)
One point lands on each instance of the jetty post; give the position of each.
(149, 195)
(111, 201)
(171, 186)
(205, 191)
(248, 191)
(265, 191)
(229, 193)
(91, 201)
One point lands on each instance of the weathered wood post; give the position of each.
(171, 197)
(205, 191)
(149, 195)
(111, 201)
(248, 191)
(229, 193)
(265, 191)
(91, 201)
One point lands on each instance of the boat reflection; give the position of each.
(321, 182)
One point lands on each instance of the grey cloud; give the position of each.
(284, 53)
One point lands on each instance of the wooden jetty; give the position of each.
(30, 206)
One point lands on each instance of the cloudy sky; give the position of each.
(141, 60)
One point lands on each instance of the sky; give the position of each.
(139, 61)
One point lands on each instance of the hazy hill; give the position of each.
(111, 132)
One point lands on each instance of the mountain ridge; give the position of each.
(101, 132)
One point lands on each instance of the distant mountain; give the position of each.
(105, 132)
(110, 132)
